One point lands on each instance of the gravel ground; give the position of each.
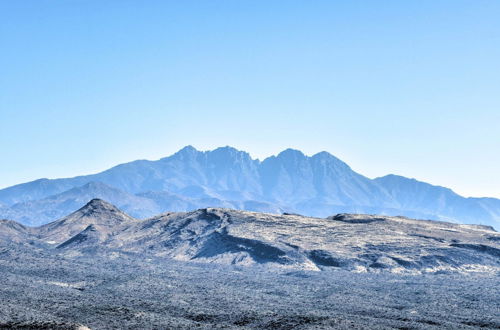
(43, 290)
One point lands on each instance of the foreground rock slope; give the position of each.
(359, 243)
(99, 268)
(42, 290)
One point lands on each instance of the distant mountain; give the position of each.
(354, 242)
(40, 211)
(438, 202)
(291, 182)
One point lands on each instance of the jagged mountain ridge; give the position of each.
(319, 185)
(352, 242)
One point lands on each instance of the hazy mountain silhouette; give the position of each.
(319, 185)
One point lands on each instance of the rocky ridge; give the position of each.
(354, 242)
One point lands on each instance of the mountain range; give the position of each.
(291, 182)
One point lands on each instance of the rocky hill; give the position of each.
(354, 242)
(215, 267)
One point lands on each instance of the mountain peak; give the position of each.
(100, 209)
(228, 154)
(95, 212)
(291, 154)
(188, 149)
(326, 156)
(98, 203)
(186, 152)
(228, 150)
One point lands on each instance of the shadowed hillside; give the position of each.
(354, 242)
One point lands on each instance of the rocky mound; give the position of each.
(96, 212)
(352, 242)
(13, 232)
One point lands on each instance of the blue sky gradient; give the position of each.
(404, 87)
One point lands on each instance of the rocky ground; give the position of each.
(40, 289)
(99, 268)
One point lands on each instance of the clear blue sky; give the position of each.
(404, 87)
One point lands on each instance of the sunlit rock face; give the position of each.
(353, 242)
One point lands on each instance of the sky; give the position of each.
(404, 87)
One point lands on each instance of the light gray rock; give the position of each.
(214, 267)
(354, 242)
